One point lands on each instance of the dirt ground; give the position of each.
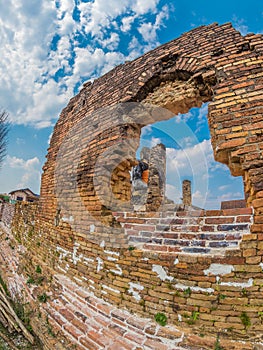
(17, 340)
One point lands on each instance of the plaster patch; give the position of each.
(118, 271)
(92, 229)
(111, 252)
(219, 269)
(247, 284)
(111, 258)
(100, 264)
(77, 279)
(162, 274)
(61, 269)
(68, 219)
(76, 258)
(102, 244)
(134, 290)
(62, 253)
(194, 288)
(176, 261)
(87, 261)
(111, 289)
(261, 265)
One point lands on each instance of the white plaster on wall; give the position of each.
(219, 269)
(176, 261)
(247, 284)
(118, 271)
(111, 289)
(76, 258)
(111, 258)
(110, 252)
(194, 288)
(69, 219)
(87, 261)
(162, 274)
(134, 290)
(62, 253)
(100, 264)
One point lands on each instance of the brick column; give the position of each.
(157, 177)
(187, 193)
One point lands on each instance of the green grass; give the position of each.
(161, 319)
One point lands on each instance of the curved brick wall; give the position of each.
(198, 292)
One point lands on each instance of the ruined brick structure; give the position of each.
(86, 244)
(187, 192)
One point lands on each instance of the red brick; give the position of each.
(73, 331)
(88, 343)
(257, 203)
(220, 220)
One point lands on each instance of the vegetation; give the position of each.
(38, 269)
(217, 344)
(187, 292)
(43, 298)
(245, 319)
(131, 248)
(161, 318)
(3, 284)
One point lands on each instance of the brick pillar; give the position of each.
(187, 193)
(140, 188)
(157, 177)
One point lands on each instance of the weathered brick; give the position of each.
(235, 119)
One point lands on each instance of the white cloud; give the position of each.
(126, 23)
(149, 30)
(146, 130)
(183, 118)
(49, 138)
(23, 173)
(97, 15)
(143, 6)
(173, 192)
(191, 159)
(111, 43)
(239, 24)
(29, 164)
(223, 188)
(155, 141)
(48, 48)
(230, 195)
(196, 162)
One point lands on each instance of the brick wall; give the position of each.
(7, 212)
(76, 233)
(205, 232)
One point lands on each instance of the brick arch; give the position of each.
(201, 55)
(212, 63)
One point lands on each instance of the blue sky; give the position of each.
(49, 48)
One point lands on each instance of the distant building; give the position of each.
(23, 195)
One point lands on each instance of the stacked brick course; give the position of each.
(205, 232)
(197, 292)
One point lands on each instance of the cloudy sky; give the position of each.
(50, 47)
